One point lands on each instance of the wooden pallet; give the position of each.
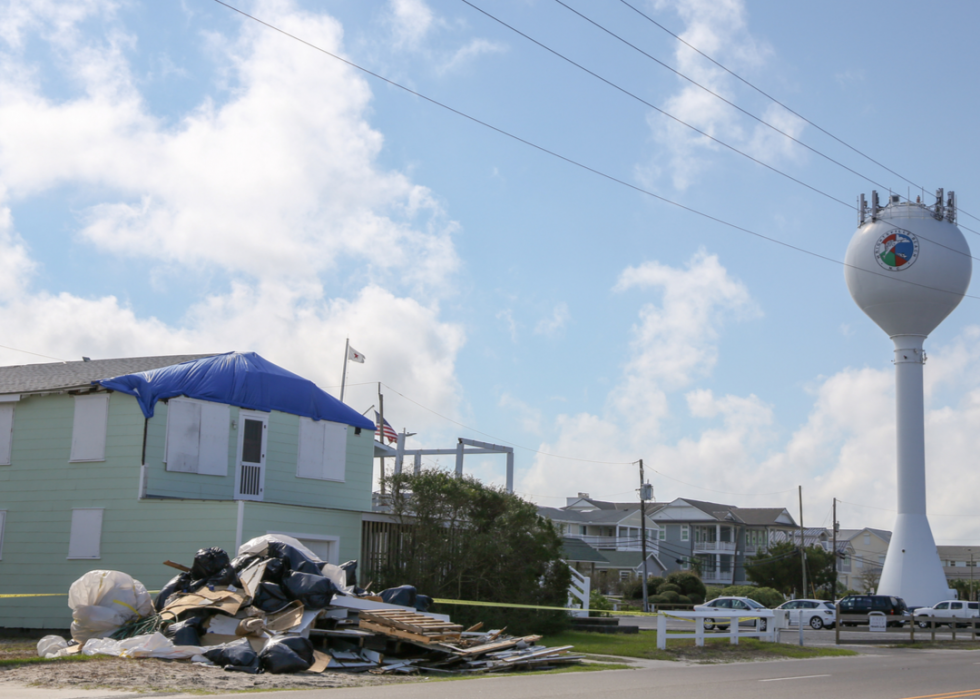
(408, 625)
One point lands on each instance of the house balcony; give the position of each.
(714, 577)
(617, 543)
(714, 546)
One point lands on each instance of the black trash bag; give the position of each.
(179, 583)
(422, 603)
(292, 559)
(274, 569)
(270, 598)
(237, 653)
(240, 563)
(188, 631)
(404, 595)
(287, 654)
(350, 567)
(314, 591)
(212, 568)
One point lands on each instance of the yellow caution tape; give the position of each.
(128, 606)
(473, 603)
(48, 594)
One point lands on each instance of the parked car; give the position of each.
(815, 613)
(866, 604)
(731, 604)
(950, 609)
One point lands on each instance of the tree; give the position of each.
(461, 539)
(869, 579)
(780, 569)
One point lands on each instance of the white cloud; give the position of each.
(410, 22)
(528, 417)
(276, 190)
(553, 325)
(674, 343)
(278, 182)
(718, 29)
(470, 52)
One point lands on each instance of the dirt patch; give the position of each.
(152, 675)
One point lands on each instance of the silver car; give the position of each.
(731, 604)
(815, 613)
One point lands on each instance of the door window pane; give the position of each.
(252, 442)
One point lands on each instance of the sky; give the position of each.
(504, 207)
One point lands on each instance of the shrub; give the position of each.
(695, 598)
(654, 585)
(669, 587)
(599, 605)
(689, 583)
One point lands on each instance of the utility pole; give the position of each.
(833, 584)
(643, 534)
(381, 429)
(802, 560)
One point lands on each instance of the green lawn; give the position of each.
(644, 645)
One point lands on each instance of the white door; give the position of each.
(253, 430)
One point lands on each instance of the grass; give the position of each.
(644, 645)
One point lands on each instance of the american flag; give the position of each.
(386, 428)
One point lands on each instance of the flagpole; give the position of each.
(381, 428)
(343, 376)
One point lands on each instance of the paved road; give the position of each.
(878, 673)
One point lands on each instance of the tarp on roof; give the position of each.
(237, 378)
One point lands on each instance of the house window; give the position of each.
(662, 534)
(86, 533)
(3, 521)
(582, 529)
(89, 427)
(685, 532)
(859, 562)
(322, 452)
(197, 437)
(686, 564)
(6, 432)
(867, 539)
(624, 575)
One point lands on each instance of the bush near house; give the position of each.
(465, 540)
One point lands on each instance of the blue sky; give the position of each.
(177, 178)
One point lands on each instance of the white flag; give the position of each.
(354, 356)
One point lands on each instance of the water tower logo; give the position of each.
(896, 250)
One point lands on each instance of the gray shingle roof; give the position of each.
(759, 515)
(578, 550)
(32, 378)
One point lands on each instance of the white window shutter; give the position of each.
(6, 433)
(183, 435)
(215, 431)
(86, 534)
(89, 429)
(334, 451)
(309, 453)
(3, 522)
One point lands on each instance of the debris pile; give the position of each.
(277, 608)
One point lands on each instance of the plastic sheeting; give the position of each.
(237, 378)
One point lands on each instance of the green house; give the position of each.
(122, 464)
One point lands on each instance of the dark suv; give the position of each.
(865, 604)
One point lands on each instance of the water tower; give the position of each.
(908, 266)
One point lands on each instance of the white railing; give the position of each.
(618, 543)
(734, 632)
(713, 576)
(714, 545)
(578, 594)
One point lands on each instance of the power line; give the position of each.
(784, 106)
(667, 114)
(583, 166)
(691, 126)
(14, 349)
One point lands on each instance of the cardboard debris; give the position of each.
(353, 634)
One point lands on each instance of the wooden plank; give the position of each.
(178, 566)
(538, 654)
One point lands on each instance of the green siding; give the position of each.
(40, 489)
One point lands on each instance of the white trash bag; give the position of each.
(154, 645)
(51, 647)
(103, 600)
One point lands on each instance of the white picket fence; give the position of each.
(734, 632)
(578, 594)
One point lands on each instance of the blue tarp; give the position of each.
(237, 378)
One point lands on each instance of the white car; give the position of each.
(815, 613)
(731, 604)
(944, 612)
